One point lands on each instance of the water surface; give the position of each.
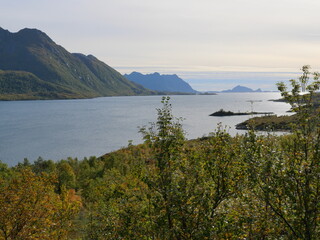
(57, 129)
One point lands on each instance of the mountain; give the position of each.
(241, 89)
(157, 82)
(35, 67)
(21, 85)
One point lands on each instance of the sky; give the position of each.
(211, 44)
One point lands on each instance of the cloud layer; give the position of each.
(179, 34)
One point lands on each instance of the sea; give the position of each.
(58, 129)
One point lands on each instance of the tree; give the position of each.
(30, 208)
(41, 165)
(286, 175)
(165, 138)
(189, 187)
(66, 176)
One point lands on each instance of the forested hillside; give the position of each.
(217, 187)
(24, 85)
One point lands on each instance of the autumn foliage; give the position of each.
(31, 209)
(250, 186)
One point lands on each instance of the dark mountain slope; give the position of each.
(32, 51)
(24, 85)
(110, 80)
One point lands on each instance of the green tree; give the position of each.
(166, 140)
(41, 165)
(5, 171)
(66, 176)
(286, 176)
(119, 208)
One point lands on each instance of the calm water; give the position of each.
(58, 129)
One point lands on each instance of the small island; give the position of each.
(223, 113)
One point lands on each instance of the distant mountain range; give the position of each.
(237, 89)
(159, 82)
(32, 66)
(241, 89)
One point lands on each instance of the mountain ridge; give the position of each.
(161, 82)
(33, 51)
(240, 88)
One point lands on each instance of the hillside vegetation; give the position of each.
(62, 74)
(218, 187)
(24, 85)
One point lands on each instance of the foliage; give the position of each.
(301, 101)
(30, 208)
(217, 187)
(269, 123)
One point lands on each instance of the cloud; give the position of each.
(200, 35)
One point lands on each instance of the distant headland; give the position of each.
(236, 89)
(161, 82)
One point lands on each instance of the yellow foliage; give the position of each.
(30, 208)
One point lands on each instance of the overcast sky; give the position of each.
(211, 44)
